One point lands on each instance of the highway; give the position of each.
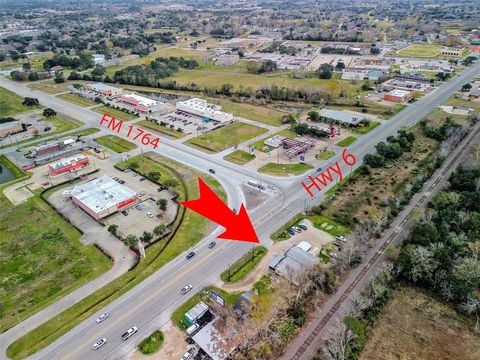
(150, 304)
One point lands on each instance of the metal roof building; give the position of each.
(342, 117)
(293, 263)
(196, 312)
(217, 339)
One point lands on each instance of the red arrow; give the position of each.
(238, 226)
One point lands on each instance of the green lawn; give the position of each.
(284, 169)
(243, 266)
(62, 123)
(282, 232)
(226, 136)
(324, 155)
(151, 344)
(42, 258)
(116, 143)
(239, 157)
(368, 107)
(11, 103)
(421, 50)
(347, 141)
(328, 225)
(163, 130)
(190, 228)
(262, 114)
(361, 130)
(114, 112)
(77, 99)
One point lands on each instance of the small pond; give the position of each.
(5, 174)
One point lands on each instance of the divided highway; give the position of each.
(150, 304)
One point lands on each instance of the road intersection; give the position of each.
(149, 305)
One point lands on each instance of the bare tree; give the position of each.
(336, 347)
(472, 306)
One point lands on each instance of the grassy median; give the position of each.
(151, 344)
(243, 266)
(284, 169)
(115, 143)
(239, 157)
(187, 230)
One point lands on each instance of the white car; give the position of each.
(102, 317)
(129, 333)
(341, 238)
(186, 289)
(99, 344)
(149, 214)
(188, 354)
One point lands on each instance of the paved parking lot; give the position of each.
(189, 123)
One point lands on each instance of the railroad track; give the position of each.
(328, 316)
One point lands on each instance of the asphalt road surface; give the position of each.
(150, 304)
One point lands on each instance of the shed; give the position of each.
(196, 312)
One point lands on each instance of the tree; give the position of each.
(59, 78)
(338, 345)
(28, 101)
(340, 65)
(153, 176)
(33, 76)
(146, 237)
(313, 115)
(74, 76)
(134, 165)
(325, 71)
(49, 113)
(162, 204)
(26, 66)
(253, 67)
(267, 66)
(131, 241)
(466, 87)
(112, 229)
(159, 230)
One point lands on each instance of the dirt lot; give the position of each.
(415, 326)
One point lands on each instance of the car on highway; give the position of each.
(142, 179)
(99, 343)
(291, 232)
(271, 187)
(319, 169)
(303, 227)
(212, 244)
(211, 171)
(186, 289)
(190, 255)
(234, 210)
(341, 238)
(129, 333)
(121, 181)
(188, 354)
(102, 317)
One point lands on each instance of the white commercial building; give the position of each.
(205, 110)
(102, 197)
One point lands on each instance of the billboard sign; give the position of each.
(217, 297)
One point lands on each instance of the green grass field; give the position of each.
(42, 259)
(162, 130)
(36, 61)
(210, 78)
(62, 123)
(328, 225)
(362, 130)
(16, 172)
(239, 157)
(421, 50)
(261, 114)
(77, 99)
(190, 229)
(115, 143)
(11, 104)
(324, 155)
(121, 115)
(226, 136)
(284, 169)
(151, 344)
(243, 266)
(347, 141)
